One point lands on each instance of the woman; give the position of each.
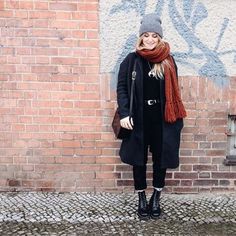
(158, 112)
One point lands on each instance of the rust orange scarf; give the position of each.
(174, 108)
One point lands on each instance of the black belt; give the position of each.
(151, 102)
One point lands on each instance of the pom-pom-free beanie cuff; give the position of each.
(151, 23)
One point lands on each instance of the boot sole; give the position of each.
(155, 217)
(143, 217)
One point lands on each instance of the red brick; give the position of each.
(92, 70)
(44, 184)
(88, 25)
(205, 182)
(7, 69)
(3, 167)
(202, 89)
(184, 175)
(2, 5)
(64, 61)
(75, 144)
(88, 7)
(42, 15)
(205, 160)
(199, 153)
(216, 137)
(186, 168)
(205, 145)
(28, 168)
(215, 122)
(224, 182)
(28, 184)
(127, 175)
(14, 183)
(185, 190)
(222, 189)
(88, 44)
(223, 175)
(85, 15)
(202, 123)
(26, 4)
(199, 137)
(220, 145)
(63, 6)
(64, 24)
(204, 167)
(215, 152)
(90, 61)
(108, 160)
(13, 4)
(123, 168)
(172, 182)
(41, 23)
(79, 34)
(204, 175)
(125, 183)
(217, 160)
(191, 130)
(6, 14)
(108, 175)
(45, 51)
(189, 145)
(186, 182)
(41, 5)
(63, 15)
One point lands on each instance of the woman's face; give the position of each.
(150, 40)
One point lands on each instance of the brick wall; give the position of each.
(56, 108)
(204, 140)
(50, 95)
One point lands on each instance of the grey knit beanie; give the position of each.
(151, 23)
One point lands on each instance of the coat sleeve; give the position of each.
(122, 89)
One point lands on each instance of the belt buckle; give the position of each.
(150, 102)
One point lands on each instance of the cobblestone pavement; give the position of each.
(38, 213)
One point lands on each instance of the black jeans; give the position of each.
(139, 174)
(152, 140)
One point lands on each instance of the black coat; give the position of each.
(132, 148)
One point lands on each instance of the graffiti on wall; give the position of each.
(203, 40)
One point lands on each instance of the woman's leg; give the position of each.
(140, 184)
(159, 175)
(139, 175)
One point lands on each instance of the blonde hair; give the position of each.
(158, 68)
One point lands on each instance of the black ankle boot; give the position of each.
(154, 204)
(143, 211)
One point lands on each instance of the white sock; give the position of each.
(140, 190)
(158, 189)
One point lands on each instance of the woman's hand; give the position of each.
(127, 122)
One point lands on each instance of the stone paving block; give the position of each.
(40, 213)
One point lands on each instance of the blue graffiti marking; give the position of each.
(126, 5)
(193, 14)
(159, 7)
(198, 15)
(223, 28)
(213, 68)
(187, 8)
